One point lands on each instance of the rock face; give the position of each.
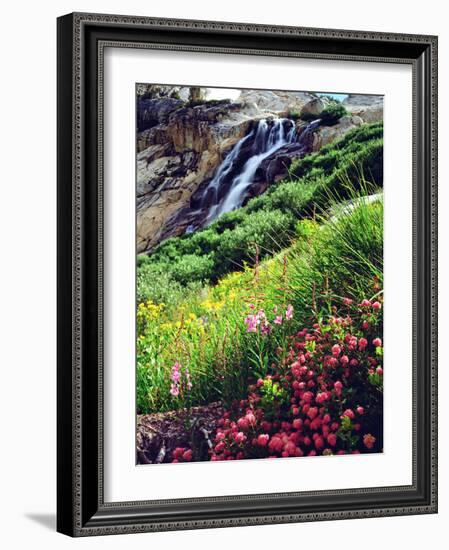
(327, 134)
(368, 107)
(313, 108)
(175, 156)
(180, 146)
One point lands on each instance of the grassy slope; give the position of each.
(303, 259)
(205, 329)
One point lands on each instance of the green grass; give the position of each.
(202, 326)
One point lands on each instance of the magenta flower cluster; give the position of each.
(179, 380)
(258, 322)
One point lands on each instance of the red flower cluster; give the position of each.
(182, 454)
(324, 397)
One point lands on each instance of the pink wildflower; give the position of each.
(262, 440)
(377, 342)
(336, 350)
(265, 328)
(251, 323)
(368, 441)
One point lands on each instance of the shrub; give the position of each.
(155, 282)
(193, 268)
(331, 114)
(325, 397)
(294, 115)
(261, 234)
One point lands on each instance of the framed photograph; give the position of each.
(247, 279)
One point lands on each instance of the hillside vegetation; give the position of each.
(297, 253)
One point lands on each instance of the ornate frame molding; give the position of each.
(81, 509)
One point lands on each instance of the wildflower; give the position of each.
(243, 423)
(178, 452)
(349, 413)
(338, 387)
(265, 328)
(377, 342)
(307, 396)
(368, 441)
(360, 410)
(377, 306)
(174, 390)
(352, 342)
(251, 322)
(278, 320)
(347, 301)
(332, 439)
(240, 437)
(336, 350)
(290, 448)
(289, 312)
(187, 455)
(297, 423)
(363, 342)
(365, 303)
(321, 397)
(262, 440)
(176, 376)
(188, 381)
(251, 418)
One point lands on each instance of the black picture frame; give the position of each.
(81, 510)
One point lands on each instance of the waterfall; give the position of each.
(211, 192)
(269, 136)
(229, 187)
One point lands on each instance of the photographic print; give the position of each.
(259, 285)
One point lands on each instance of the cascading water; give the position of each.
(269, 137)
(234, 178)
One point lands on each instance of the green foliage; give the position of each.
(343, 258)
(261, 234)
(273, 398)
(156, 282)
(203, 327)
(332, 113)
(294, 115)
